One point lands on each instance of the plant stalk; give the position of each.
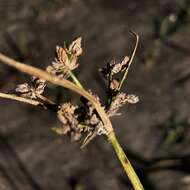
(75, 80)
(20, 99)
(125, 162)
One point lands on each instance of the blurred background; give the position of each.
(155, 133)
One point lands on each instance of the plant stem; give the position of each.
(125, 162)
(20, 99)
(75, 80)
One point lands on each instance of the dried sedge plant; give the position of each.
(91, 117)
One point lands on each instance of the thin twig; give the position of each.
(46, 100)
(20, 99)
(130, 61)
(60, 82)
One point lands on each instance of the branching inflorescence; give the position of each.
(90, 117)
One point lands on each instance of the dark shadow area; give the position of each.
(17, 168)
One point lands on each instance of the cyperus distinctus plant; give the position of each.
(91, 117)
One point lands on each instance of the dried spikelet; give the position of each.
(75, 47)
(114, 84)
(61, 66)
(113, 68)
(39, 85)
(66, 115)
(66, 59)
(121, 99)
(23, 88)
(32, 91)
(62, 56)
(68, 118)
(132, 99)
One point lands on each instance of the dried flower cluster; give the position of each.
(68, 118)
(81, 121)
(113, 68)
(32, 90)
(120, 100)
(66, 59)
(116, 99)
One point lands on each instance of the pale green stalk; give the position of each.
(75, 80)
(125, 162)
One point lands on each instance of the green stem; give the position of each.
(75, 80)
(125, 162)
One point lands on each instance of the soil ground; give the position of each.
(155, 133)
